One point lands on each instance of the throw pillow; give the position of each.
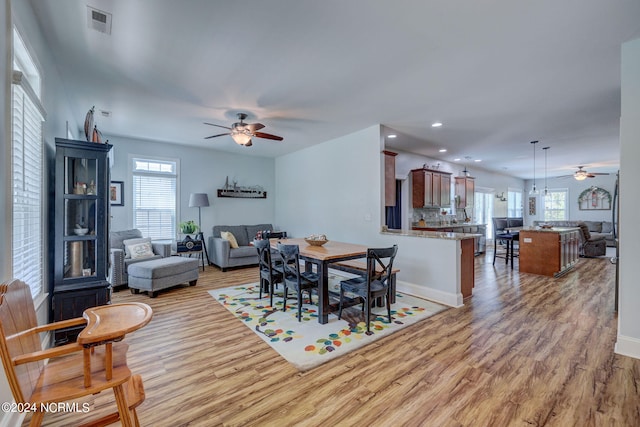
(132, 242)
(141, 250)
(227, 235)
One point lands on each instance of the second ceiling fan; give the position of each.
(242, 132)
(582, 174)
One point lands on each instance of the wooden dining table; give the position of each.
(321, 256)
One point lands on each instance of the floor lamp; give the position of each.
(199, 200)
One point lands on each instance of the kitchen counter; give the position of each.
(432, 227)
(462, 257)
(446, 235)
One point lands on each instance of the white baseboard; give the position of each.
(628, 346)
(446, 298)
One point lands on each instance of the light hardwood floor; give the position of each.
(525, 350)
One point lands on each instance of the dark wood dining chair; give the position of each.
(376, 283)
(270, 268)
(64, 377)
(294, 278)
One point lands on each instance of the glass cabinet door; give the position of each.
(79, 216)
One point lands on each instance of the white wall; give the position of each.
(628, 341)
(332, 188)
(335, 188)
(201, 171)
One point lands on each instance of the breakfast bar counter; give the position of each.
(466, 252)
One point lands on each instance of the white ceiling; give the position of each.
(498, 74)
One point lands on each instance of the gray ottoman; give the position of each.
(162, 273)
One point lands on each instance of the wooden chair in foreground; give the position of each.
(63, 378)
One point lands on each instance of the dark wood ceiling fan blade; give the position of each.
(220, 126)
(268, 136)
(254, 126)
(215, 136)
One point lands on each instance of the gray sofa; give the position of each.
(224, 256)
(591, 243)
(119, 263)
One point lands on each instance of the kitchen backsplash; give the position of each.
(434, 215)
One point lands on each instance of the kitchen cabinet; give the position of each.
(465, 189)
(445, 189)
(81, 229)
(430, 188)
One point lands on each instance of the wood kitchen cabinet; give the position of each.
(465, 189)
(430, 188)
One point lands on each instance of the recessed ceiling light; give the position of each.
(442, 150)
(436, 125)
(477, 160)
(456, 160)
(392, 136)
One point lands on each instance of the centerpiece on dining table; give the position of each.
(316, 239)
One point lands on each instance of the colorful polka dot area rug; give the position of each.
(307, 344)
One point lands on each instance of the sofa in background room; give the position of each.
(221, 252)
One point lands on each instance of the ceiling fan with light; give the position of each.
(242, 132)
(582, 174)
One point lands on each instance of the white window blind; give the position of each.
(154, 197)
(27, 183)
(555, 205)
(514, 203)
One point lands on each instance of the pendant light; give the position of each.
(534, 190)
(546, 190)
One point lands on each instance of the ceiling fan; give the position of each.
(242, 132)
(582, 174)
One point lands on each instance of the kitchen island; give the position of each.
(549, 251)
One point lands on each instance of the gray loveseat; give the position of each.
(224, 256)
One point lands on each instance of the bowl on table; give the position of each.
(80, 231)
(316, 240)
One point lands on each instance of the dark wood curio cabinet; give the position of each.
(81, 232)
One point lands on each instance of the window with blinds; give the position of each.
(514, 203)
(27, 116)
(555, 205)
(154, 197)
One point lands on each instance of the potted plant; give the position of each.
(188, 227)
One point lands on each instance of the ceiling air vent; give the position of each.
(98, 20)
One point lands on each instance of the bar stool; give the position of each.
(509, 238)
